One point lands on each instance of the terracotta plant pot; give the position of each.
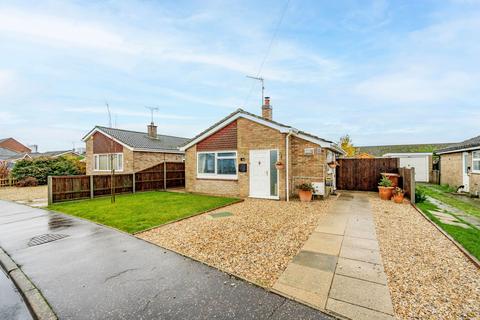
(392, 177)
(385, 192)
(305, 196)
(398, 198)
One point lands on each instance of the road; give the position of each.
(95, 272)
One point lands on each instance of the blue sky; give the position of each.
(383, 72)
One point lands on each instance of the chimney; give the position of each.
(152, 130)
(267, 109)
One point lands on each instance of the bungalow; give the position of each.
(245, 155)
(132, 151)
(460, 165)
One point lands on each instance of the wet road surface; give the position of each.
(12, 306)
(93, 272)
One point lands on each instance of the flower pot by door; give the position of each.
(385, 192)
(305, 196)
(398, 198)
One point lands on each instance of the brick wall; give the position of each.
(306, 168)
(144, 160)
(14, 145)
(451, 169)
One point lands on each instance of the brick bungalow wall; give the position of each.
(451, 169)
(133, 161)
(14, 145)
(250, 135)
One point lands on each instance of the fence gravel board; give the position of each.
(68, 188)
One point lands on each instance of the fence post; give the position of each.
(91, 187)
(133, 182)
(412, 185)
(50, 189)
(164, 176)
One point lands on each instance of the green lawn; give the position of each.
(468, 238)
(140, 211)
(442, 193)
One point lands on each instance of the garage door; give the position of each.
(420, 164)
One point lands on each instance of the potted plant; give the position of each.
(305, 192)
(333, 164)
(385, 188)
(279, 165)
(398, 195)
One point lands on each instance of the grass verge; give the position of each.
(468, 238)
(442, 193)
(140, 211)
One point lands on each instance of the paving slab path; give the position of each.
(93, 272)
(340, 268)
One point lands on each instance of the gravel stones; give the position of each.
(429, 278)
(255, 243)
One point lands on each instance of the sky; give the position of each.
(384, 72)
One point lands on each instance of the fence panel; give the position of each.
(363, 174)
(408, 182)
(65, 188)
(8, 182)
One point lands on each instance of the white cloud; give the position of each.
(122, 112)
(62, 31)
(7, 81)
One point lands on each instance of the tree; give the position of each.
(347, 145)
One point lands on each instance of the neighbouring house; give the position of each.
(10, 157)
(245, 155)
(460, 165)
(132, 151)
(13, 145)
(421, 161)
(379, 151)
(54, 154)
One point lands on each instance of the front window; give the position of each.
(476, 161)
(103, 162)
(217, 165)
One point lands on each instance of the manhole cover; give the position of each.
(217, 215)
(45, 238)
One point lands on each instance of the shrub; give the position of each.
(27, 182)
(420, 196)
(41, 168)
(385, 182)
(306, 187)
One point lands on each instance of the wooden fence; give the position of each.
(67, 188)
(363, 174)
(8, 182)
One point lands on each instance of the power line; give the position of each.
(274, 36)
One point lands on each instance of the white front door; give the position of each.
(466, 178)
(260, 173)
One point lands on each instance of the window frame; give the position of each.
(475, 159)
(96, 162)
(216, 175)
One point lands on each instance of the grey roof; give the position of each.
(49, 153)
(141, 140)
(256, 116)
(469, 143)
(6, 154)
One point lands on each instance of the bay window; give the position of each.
(217, 165)
(476, 161)
(103, 162)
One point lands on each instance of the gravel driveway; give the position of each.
(36, 196)
(429, 278)
(256, 242)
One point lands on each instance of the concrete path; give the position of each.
(93, 272)
(339, 268)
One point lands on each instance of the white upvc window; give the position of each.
(217, 165)
(103, 162)
(476, 161)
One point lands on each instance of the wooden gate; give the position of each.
(364, 174)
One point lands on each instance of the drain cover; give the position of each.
(45, 238)
(217, 215)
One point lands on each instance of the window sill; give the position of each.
(217, 177)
